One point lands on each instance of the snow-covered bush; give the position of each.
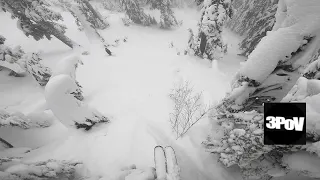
(126, 21)
(59, 94)
(32, 63)
(188, 109)
(270, 72)
(135, 12)
(68, 66)
(37, 19)
(44, 170)
(208, 42)
(18, 62)
(10, 58)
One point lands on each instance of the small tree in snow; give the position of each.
(36, 19)
(32, 64)
(188, 109)
(135, 12)
(9, 57)
(191, 43)
(208, 43)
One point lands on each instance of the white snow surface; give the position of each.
(132, 87)
(303, 161)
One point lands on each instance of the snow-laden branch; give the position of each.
(32, 63)
(20, 120)
(35, 18)
(50, 169)
(10, 57)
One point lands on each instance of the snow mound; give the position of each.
(67, 66)
(303, 162)
(69, 110)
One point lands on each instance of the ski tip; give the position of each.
(169, 148)
(158, 146)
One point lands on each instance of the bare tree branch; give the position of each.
(188, 109)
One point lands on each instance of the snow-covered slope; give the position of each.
(133, 88)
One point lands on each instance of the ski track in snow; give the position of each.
(132, 88)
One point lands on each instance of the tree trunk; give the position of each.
(5, 143)
(89, 30)
(47, 26)
(203, 43)
(95, 13)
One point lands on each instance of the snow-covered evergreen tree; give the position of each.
(236, 4)
(92, 15)
(135, 12)
(10, 58)
(35, 18)
(199, 2)
(264, 23)
(74, 114)
(253, 19)
(167, 18)
(32, 63)
(246, 15)
(191, 43)
(112, 5)
(270, 72)
(208, 42)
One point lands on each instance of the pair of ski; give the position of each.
(166, 163)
